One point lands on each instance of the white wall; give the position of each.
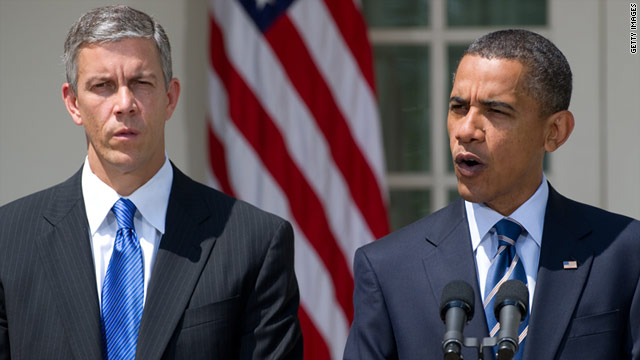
(622, 112)
(600, 164)
(40, 145)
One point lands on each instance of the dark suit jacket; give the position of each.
(592, 312)
(223, 284)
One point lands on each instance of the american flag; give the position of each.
(293, 128)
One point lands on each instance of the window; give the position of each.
(416, 47)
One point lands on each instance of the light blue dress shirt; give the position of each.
(485, 241)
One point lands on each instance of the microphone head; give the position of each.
(512, 292)
(457, 293)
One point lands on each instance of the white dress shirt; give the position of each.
(485, 240)
(151, 201)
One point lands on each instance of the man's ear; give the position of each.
(71, 102)
(558, 128)
(173, 93)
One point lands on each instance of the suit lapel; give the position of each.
(66, 254)
(557, 290)
(453, 259)
(182, 254)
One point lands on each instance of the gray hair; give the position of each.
(548, 77)
(112, 24)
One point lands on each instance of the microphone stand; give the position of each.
(480, 344)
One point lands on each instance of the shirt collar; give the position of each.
(151, 199)
(530, 215)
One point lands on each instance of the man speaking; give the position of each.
(508, 107)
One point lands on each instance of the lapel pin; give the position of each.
(570, 265)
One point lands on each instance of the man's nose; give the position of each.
(126, 101)
(470, 127)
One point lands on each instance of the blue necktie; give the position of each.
(123, 288)
(506, 265)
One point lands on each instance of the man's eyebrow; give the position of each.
(458, 99)
(92, 80)
(497, 104)
(485, 103)
(97, 78)
(145, 75)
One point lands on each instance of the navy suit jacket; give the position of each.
(223, 284)
(592, 312)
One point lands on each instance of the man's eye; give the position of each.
(101, 86)
(497, 111)
(457, 108)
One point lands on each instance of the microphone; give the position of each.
(511, 304)
(456, 308)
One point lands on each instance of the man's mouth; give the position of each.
(468, 164)
(126, 133)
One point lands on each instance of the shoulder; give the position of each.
(24, 220)
(605, 231)
(592, 217)
(410, 239)
(29, 203)
(36, 204)
(196, 197)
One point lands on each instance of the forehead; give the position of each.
(129, 52)
(488, 78)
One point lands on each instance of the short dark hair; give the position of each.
(111, 24)
(548, 77)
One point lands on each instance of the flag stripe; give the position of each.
(292, 123)
(315, 284)
(316, 347)
(337, 64)
(256, 126)
(218, 161)
(354, 31)
(305, 142)
(317, 294)
(316, 287)
(310, 85)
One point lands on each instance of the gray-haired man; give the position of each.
(129, 257)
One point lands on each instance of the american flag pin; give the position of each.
(570, 265)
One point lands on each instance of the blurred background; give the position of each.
(415, 47)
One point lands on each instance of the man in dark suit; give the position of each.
(129, 257)
(507, 108)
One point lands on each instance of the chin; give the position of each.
(468, 194)
(123, 162)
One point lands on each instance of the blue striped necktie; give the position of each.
(123, 288)
(506, 265)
